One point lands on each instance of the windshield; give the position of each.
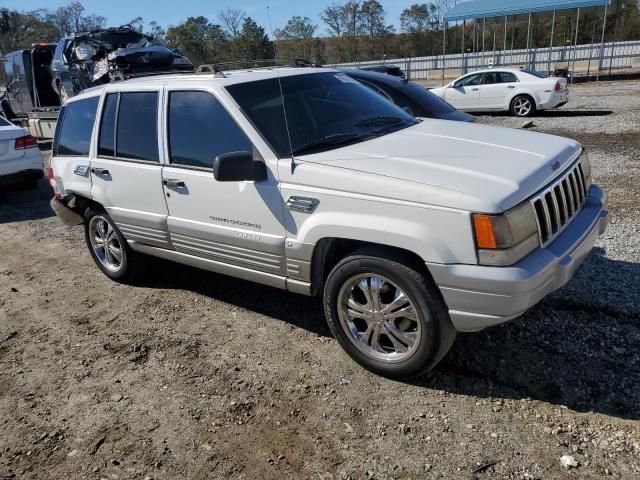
(535, 74)
(431, 105)
(324, 111)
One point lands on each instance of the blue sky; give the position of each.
(173, 12)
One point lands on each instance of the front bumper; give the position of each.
(479, 296)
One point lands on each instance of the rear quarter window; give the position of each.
(73, 135)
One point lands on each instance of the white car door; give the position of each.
(126, 170)
(238, 222)
(464, 94)
(495, 89)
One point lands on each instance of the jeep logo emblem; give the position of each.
(555, 166)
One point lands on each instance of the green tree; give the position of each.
(198, 39)
(138, 24)
(373, 25)
(19, 30)
(71, 19)
(296, 39)
(156, 32)
(416, 22)
(252, 43)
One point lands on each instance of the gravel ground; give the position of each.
(193, 375)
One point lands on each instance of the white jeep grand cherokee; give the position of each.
(305, 180)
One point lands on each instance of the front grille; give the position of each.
(559, 203)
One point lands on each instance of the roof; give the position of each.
(381, 77)
(230, 78)
(500, 8)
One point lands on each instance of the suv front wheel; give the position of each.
(388, 316)
(108, 247)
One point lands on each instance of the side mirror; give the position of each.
(238, 167)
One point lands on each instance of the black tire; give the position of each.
(131, 263)
(437, 333)
(516, 108)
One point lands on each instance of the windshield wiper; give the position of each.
(378, 120)
(328, 140)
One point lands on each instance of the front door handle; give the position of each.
(100, 171)
(173, 182)
(475, 89)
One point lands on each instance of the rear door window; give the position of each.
(507, 77)
(73, 136)
(137, 126)
(201, 129)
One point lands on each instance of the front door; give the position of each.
(495, 89)
(465, 92)
(126, 170)
(236, 223)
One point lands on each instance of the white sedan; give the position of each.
(520, 92)
(20, 158)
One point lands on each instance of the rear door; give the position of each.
(496, 88)
(237, 223)
(465, 92)
(126, 170)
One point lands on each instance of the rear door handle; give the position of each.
(511, 86)
(173, 182)
(100, 171)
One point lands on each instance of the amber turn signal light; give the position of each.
(485, 236)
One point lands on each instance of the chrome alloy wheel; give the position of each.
(379, 318)
(105, 243)
(522, 106)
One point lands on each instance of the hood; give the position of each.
(499, 166)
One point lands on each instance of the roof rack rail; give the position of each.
(254, 64)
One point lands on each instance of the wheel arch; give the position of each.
(329, 251)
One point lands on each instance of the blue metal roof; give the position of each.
(501, 8)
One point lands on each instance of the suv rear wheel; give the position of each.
(109, 249)
(388, 316)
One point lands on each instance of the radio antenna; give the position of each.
(284, 110)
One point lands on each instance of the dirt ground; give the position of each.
(193, 375)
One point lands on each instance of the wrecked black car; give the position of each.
(85, 60)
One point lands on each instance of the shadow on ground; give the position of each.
(570, 350)
(18, 204)
(577, 348)
(559, 113)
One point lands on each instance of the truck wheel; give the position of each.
(388, 316)
(109, 249)
(522, 106)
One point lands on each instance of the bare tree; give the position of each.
(232, 20)
(333, 16)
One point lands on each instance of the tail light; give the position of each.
(22, 143)
(52, 181)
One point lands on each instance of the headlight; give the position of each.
(508, 237)
(586, 169)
